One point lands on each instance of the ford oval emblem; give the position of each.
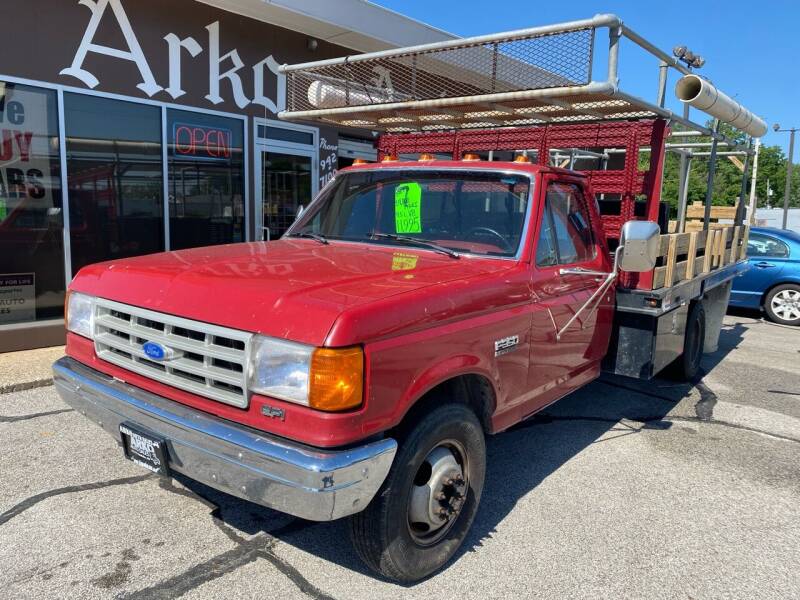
(154, 351)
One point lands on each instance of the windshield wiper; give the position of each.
(415, 241)
(312, 236)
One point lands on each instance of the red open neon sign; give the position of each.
(197, 141)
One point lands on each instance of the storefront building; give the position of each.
(136, 126)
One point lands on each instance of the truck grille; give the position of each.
(207, 360)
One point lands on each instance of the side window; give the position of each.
(546, 253)
(763, 245)
(566, 235)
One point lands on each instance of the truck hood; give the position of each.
(292, 289)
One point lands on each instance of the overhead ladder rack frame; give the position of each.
(532, 76)
(534, 90)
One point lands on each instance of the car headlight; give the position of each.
(330, 379)
(80, 314)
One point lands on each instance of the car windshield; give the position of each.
(474, 212)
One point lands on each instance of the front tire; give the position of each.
(426, 506)
(783, 304)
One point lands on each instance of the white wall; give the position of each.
(773, 217)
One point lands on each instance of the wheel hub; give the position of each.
(437, 496)
(786, 304)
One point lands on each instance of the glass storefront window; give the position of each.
(31, 219)
(206, 179)
(115, 180)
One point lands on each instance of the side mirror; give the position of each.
(640, 244)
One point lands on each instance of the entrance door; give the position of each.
(286, 184)
(286, 175)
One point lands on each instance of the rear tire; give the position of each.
(687, 366)
(782, 304)
(445, 452)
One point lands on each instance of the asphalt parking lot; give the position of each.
(622, 490)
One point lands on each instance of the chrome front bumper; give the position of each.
(315, 484)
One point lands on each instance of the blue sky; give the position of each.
(752, 49)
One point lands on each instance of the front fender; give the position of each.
(446, 370)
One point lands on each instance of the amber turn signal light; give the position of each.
(426, 157)
(470, 157)
(521, 158)
(360, 161)
(336, 379)
(389, 158)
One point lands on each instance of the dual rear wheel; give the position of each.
(687, 366)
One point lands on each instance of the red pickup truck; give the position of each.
(354, 367)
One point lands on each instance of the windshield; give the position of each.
(475, 212)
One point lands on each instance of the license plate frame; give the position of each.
(144, 448)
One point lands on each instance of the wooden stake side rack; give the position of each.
(684, 256)
(695, 214)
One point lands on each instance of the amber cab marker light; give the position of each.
(389, 158)
(336, 379)
(360, 161)
(470, 157)
(426, 157)
(521, 158)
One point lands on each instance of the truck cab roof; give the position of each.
(528, 168)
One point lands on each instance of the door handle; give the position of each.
(582, 271)
(764, 265)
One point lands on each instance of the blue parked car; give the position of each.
(773, 281)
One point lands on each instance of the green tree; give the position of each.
(727, 179)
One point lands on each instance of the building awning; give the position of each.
(356, 24)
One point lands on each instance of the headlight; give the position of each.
(280, 369)
(80, 314)
(328, 379)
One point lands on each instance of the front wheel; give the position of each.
(783, 304)
(425, 508)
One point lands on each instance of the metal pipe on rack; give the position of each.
(614, 34)
(743, 192)
(723, 153)
(712, 169)
(696, 144)
(663, 71)
(683, 192)
(683, 176)
(751, 211)
(654, 50)
(594, 87)
(599, 20)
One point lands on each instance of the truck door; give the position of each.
(567, 240)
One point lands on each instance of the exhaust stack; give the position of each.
(701, 94)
